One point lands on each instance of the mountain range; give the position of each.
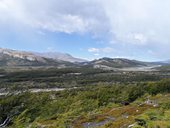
(10, 57)
(60, 56)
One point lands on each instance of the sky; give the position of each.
(89, 29)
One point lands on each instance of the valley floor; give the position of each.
(84, 98)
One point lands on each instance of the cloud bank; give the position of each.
(137, 23)
(71, 16)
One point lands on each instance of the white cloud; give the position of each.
(101, 50)
(148, 20)
(11, 11)
(136, 38)
(66, 23)
(94, 50)
(71, 16)
(96, 54)
(50, 49)
(127, 21)
(107, 50)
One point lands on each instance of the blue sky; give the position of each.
(134, 29)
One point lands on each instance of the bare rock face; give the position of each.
(34, 56)
(10, 57)
(21, 54)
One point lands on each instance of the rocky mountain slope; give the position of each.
(10, 57)
(115, 63)
(61, 56)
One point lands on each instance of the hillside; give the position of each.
(61, 56)
(115, 106)
(20, 58)
(109, 63)
(14, 58)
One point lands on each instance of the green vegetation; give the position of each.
(164, 68)
(112, 106)
(25, 78)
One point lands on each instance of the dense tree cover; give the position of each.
(62, 109)
(72, 77)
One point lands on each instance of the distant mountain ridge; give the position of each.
(115, 63)
(10, 57)
(21, 54)
(166, 62)
(61, 56)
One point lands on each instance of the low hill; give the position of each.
(115, 63)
